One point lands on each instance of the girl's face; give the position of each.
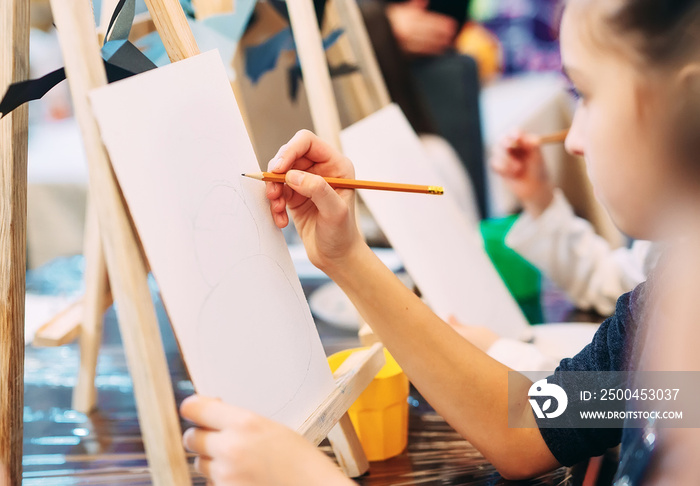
(619, 122)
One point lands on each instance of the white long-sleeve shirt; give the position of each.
(582, 263)
(566, 249)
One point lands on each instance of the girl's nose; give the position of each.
(574, 140)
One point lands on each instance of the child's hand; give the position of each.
(518, 159)
(419, 31)
(238, 447)
(324, 217)
(481, 337)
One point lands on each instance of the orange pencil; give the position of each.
(556, 137)
(355, 184)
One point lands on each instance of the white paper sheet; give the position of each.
(178, 146)
(441, 251)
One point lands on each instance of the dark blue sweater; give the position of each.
(614, 348)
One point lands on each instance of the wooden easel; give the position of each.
(364, 91)
(120, 257)
(14, 66)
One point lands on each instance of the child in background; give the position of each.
(637, 66)
(563, 246)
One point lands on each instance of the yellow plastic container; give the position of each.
(380, 414)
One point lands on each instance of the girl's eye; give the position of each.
(574, 92)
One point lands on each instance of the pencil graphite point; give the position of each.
(258, 176)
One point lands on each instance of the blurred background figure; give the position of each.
(45, 56)
(436, 87)
(527, 32)
(436, 54)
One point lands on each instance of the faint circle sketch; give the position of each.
(224, 232)
(267, 351)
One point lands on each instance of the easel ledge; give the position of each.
(331, 419)
(351, 378)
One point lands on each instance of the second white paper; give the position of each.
(435, 240)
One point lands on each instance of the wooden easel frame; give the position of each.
(119, 257)
(366, 90)
(14, 66)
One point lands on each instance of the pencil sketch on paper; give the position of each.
(223, 268)
(256, 303)
(227, 244)
(224, 230)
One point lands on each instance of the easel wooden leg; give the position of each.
(362, 46)
(84, 316)
(14, 66)
(65, 327)
(317, 78)
(347, 448)
(96, 288)
(127, 270)
(367, 92)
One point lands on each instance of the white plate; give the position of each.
(330, 304)
(563, 339)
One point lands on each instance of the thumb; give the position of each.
(529, 141)
(317, 189)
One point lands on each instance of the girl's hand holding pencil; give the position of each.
(324, 217)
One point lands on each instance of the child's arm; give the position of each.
(464, 385)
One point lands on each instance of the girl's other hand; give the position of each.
(518, 160)
(238, 447)
(324, 217)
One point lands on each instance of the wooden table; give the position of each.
(62, 446)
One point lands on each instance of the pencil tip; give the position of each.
(255, 175)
